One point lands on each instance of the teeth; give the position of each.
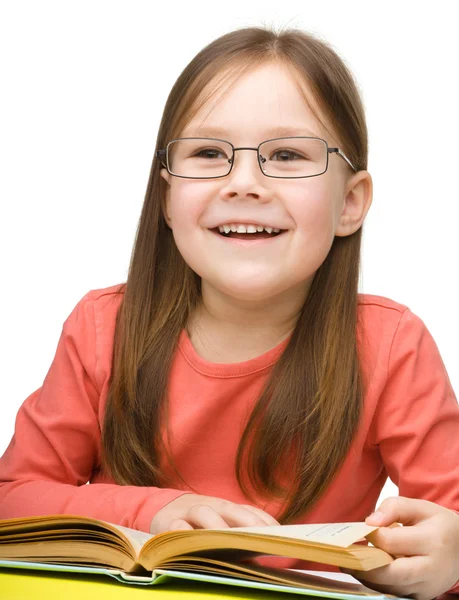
(235, 228)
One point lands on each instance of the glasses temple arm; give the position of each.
(160, 154)
(341, 153)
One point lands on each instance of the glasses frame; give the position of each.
(164, 152)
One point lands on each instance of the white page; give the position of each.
(336, 534)
(136, 537)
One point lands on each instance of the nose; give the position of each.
(246, 178)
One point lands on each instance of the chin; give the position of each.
(242, 292)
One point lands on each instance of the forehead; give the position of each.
(270, 100)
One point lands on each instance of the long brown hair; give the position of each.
(312, 400)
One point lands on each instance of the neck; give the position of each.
(225, 329)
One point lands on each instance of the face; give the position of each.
(312, 210)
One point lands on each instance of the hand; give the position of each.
(193, 511)
(427, 548)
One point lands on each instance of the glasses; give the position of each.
(282, 158)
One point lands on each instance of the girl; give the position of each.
(237, 378)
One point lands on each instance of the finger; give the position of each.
(384, 588)
(227, 507)
(203, 516)
(162, 526)
(179, 524)
(267, 518)
(402, 572)
(402, 510)
(241, 515)
(402, 541)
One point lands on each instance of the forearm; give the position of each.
(131, 506)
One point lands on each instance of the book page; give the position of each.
(333, 534)
(136, 537)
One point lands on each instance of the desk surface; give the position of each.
(24, 585)
(21, 584)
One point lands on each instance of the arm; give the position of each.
(56, 444)
(416, 425)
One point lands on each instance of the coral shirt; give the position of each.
(409, 430)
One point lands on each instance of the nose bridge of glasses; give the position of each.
(244, 148)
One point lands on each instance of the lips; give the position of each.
(248, 239)
(281, 230)
(247, 236)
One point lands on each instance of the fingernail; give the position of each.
(376, 517)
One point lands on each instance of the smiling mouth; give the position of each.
(248, 236)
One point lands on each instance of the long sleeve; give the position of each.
(416, 427)
(55, 449)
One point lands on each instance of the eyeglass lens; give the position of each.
(281, 157)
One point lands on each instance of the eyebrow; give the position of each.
(273, 132)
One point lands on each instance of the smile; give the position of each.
(248, 239)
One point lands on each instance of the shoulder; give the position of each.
(100, 304)
(379, 311)
(387, 329)
(90, 328)
(380, 314)
(105, 296)
(94, 315)
(380, 304)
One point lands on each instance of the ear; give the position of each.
(357, 202)
(165, 202)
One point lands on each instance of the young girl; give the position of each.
(238, 378)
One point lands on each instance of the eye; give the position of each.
(287, 155)
(210, 153)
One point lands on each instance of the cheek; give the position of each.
(188, 200)
(311, 208)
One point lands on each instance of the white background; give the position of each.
(83, 89)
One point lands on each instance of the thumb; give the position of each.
(399, 509)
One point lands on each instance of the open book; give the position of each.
(72, 543)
